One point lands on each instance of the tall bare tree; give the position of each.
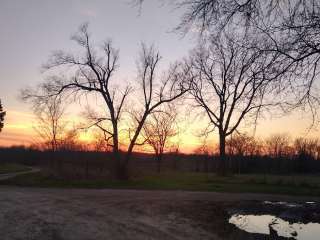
(89, 73)
(2, 114)
(291, 28)
(158, 131)
(93, 73)
(233, 83)
(155, 93)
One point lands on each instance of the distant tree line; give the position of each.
(275, 146)
(82, 163)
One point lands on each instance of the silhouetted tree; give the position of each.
(278, 145)
(91, 73)
(2, 114)
(306, 150)
(203, 150)
(307, 147)
(100, 142)
(232, 83)
(155, 94)
(242, 145)
(290, 28)
(69, 141)
(158, 130)
(49, 113)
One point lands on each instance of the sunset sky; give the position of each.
(31, 30)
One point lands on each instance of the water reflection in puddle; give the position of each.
(286, 204)
(262, 224)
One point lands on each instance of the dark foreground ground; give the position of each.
(40, 213)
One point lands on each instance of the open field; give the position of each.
(39, 213)
(308, 185)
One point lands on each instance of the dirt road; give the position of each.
(35, 213)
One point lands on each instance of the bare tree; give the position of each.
(100, 143)
(241, 145)
(49, 113)
(278, 145)
(308, 147)
(290, 28)
(102, 128)
(50, 125)
(2, 115)
(69, 141)
(90, 73)
(155, 93)
(204, 151)
(158, 131)
(93, 73)
(233, 83)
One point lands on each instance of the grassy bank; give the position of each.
(292, 185)
(12, 168)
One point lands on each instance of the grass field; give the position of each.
(11, 168)
(276, 184)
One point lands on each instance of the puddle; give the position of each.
(264, 223)
(286, 204)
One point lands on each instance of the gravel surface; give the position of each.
(39, 213)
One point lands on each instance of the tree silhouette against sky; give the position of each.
(2, 114)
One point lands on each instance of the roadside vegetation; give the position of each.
(275, 184)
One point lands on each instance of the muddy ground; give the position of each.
(64, 214)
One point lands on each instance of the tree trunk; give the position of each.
(124, 164)
(222, 150)
(122, 171)
(159, 159)
(121, 168)
(119, 164)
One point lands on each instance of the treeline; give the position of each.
(275, 146)
(277, 154)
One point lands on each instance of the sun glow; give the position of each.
(19, 130)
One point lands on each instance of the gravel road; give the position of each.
(67, 214)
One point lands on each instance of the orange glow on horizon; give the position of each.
(18, 130)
